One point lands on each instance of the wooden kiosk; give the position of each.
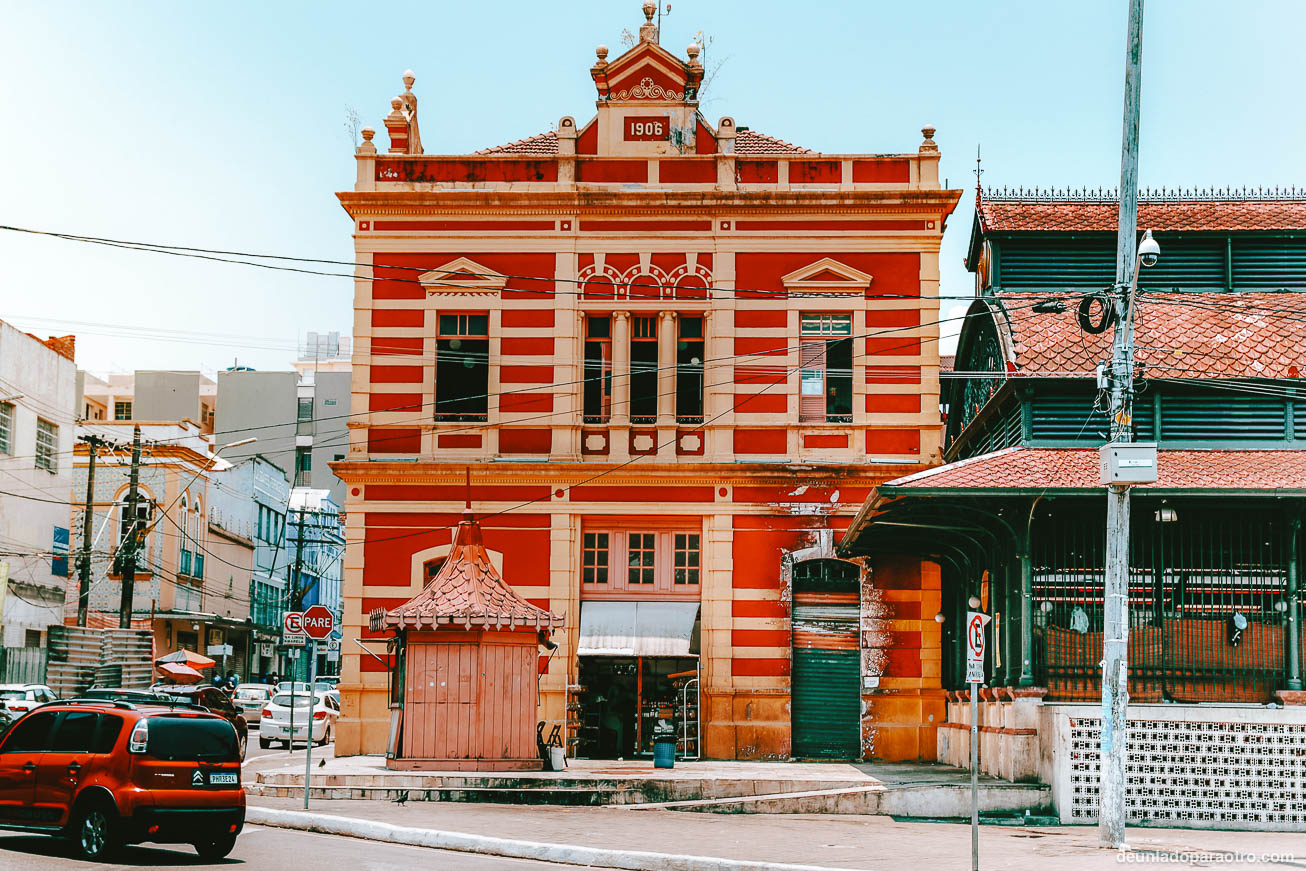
(468, 658)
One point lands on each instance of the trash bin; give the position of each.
(664, 746)
(557, 759)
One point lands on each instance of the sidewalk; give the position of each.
(833, 841)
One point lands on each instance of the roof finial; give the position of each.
(467, 509)
(648, 31)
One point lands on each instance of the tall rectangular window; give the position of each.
(685, 554)
(122, 410)
(642, 562)
(643, 369)
(689, 371)
(462, 367)
(594, 558)
(826, 368)
(6, 427)
(47, 445)
(598, 369)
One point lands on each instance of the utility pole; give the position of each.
(84, 559)
(131, 541)
(1115, 634)
(296, 598)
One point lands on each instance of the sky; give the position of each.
(224, 126)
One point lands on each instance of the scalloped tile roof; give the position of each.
(468, 591)
(1078, 468)
(1033, 215)
(1178, 335)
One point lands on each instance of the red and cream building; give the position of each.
(676, 355)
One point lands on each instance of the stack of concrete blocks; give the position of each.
(81, 658)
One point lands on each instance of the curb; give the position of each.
(566, 854)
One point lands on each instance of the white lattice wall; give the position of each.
(1245, 773)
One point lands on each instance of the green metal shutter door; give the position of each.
(825, 706)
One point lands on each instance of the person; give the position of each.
(231, 683)
(274, 679)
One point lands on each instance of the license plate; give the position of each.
(216, 778)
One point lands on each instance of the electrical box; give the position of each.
(1128, 463)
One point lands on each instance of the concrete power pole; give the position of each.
(296, 597)
(131, 541)
(1115, 630)
(84, 559)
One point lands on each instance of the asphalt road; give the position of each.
(262, 848)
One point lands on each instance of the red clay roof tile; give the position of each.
(1032, 215)
(1053, 469)
(746, 142)
(1178, 335)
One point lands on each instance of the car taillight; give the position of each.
(139, 738)
(319, 715)
(266, 712)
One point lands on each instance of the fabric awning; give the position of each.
(638, 629)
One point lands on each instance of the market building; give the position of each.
(676, 355)
(1016, 517)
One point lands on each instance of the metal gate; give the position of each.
(825, 694)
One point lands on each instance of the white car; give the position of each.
(19, 698)
(319, 708)
(249, 699)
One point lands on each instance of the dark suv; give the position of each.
(214, 699)
(110, 773)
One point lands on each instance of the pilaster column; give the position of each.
(666, 369)
(620, 369)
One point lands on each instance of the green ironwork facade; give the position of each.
(1215, 599)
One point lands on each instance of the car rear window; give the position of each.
(192, 739)
(252, 693)
(13, 694)
(301, 700)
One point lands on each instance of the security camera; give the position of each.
(1148, 251)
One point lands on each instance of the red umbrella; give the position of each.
(181, 673)
(188, 658)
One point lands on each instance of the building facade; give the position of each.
(1017, 517)
(187, 585)
(300, 417)
(669, 358)
(37, 409)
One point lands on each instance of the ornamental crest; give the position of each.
(647, 89)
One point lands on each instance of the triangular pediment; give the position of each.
(647, 72)
(828, 274)
(462, 276)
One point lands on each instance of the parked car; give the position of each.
(117, 694)
(106, 773)
(319, 708)
(327, 681)
(297, 686)
(250, 699)
(213, 699)
(19, 698)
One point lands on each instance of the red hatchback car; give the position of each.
(108, 773)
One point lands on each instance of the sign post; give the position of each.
(311, 650)
(317, 623)
(975, 625)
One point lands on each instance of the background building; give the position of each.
(316, 541)
(676, 357)
(299, 417)
(37, 406)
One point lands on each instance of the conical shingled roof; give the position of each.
(467, 591)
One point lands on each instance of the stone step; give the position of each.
(475, 795)
(650, 790)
